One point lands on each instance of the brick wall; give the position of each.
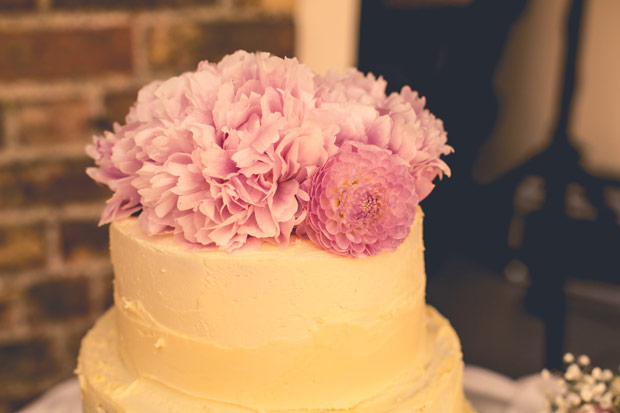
(68, 69)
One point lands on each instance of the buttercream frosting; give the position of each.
(272, 328)
(268, 330)
(108, 386)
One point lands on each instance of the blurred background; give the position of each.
(522, 242)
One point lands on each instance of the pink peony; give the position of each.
(362, 202)
(398, 122)
(217, 156)
(125, 200)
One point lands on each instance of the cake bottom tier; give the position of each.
(109, 387)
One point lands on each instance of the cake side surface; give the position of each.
(274, 329)
(109, 386)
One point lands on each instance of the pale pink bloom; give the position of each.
(217, 156)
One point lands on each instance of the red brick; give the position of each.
(46, 54)
(58, 299)
(279, 6)
(48, 182)
(181, 47)
(21, 247)
(106, 291)
(130, 4)
(117, 106)
(84, 240)
(27, 361)
(17, 4)
(49, 123)
(2, 140)
(74, 341)
(5, 314)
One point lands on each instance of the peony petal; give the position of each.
(269, 133)
(222, 236)
(284, 204)
(265, 222)
(218, 163)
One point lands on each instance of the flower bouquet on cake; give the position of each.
(255, 147)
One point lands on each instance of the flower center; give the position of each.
(369, 207)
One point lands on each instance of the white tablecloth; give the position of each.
(489, 392)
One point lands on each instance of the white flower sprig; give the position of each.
(581, 388)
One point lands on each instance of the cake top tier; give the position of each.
(255, 148)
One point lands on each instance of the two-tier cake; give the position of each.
(277, 262)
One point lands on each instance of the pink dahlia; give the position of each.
(362, 201)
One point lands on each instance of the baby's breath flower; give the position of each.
(582, 388)
(583, 360)
(586, 394)
(588, 379)
(588, 408)
(599, 389)
(569, 358)
(560, 402)
(605, 401)
(607, 375)
(561, 386)
(573, 399)
(573, 372)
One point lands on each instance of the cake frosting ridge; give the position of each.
(108, 385)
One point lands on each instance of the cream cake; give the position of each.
(266, 240)
(269, 330)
